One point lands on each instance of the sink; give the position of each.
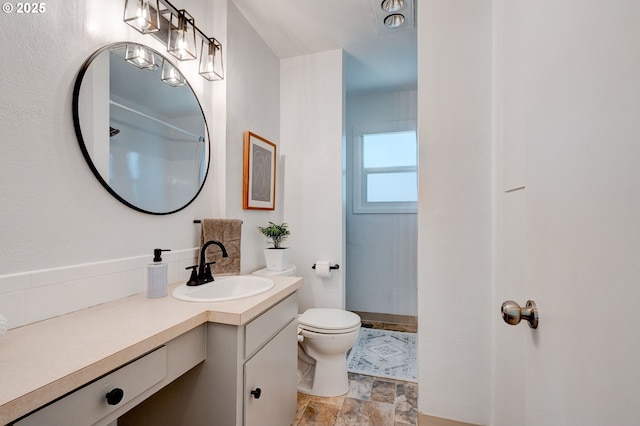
(224, 288)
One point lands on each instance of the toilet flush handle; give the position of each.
(256, 393)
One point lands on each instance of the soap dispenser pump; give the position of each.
(157, 279)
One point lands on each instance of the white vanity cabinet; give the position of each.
(101, 401)
(269, 387)
(249, 377)
(259, 355)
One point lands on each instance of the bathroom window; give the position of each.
(386, 169)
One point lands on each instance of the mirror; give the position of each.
(141, 128)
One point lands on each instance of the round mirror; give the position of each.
(141, 128)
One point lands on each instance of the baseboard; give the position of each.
(426, 420)
(388, 318)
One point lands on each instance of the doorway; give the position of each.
(381, 206)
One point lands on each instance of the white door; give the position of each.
(567, 108)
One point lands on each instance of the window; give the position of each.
(386, 170)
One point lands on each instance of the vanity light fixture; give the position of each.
(177, 28)
(182, 36)
(391, 6)
(211, 60)
(394, 21)
(142, 16)
(140, 57)
(171, 76)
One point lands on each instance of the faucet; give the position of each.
(204, 275)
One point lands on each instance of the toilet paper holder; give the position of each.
(330, 266)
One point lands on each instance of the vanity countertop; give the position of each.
(45, 360)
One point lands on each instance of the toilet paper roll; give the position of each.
(323, 269)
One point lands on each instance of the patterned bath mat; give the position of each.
(384, 353)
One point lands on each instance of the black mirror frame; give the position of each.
(85, 152)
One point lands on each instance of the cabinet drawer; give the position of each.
(261, 329)
(87, 405)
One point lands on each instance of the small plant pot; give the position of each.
(276, 259)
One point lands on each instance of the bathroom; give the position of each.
(65, 241)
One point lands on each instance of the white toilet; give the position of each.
(325, 336)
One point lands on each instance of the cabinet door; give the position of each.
(274, 371)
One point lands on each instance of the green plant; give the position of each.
(276, 234)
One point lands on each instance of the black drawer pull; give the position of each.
(114, 396)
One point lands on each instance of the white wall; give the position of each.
(381, 249)
(253, 103)
(66, 243)
(454, 219)
(312, 122)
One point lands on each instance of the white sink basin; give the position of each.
(224, 288)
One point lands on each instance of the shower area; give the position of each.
(381, 206)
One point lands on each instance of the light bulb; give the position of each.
(181, 43)
(209, 66)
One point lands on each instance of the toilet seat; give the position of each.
(329, 321)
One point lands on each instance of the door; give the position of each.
(567, 211)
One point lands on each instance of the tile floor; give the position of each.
(371, 401)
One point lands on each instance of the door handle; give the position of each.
(512, 313)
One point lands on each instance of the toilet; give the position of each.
(325, 336)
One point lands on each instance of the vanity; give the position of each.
(157, 361)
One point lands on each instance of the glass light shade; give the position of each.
(394, 21)
(182, 36)
(211, 60)
(140, 57)
(171, 75)
(392, 5)
(142, 15)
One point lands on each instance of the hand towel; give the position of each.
(228, 232)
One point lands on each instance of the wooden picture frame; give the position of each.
(259, 186)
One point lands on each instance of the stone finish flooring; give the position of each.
(371, 400)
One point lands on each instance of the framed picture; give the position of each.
(259, 173)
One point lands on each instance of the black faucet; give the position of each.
(204, 275)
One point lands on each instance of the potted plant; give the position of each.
(276, 256)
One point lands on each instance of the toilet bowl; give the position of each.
(324, 338)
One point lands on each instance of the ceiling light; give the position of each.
(391, 6)
(394, 21)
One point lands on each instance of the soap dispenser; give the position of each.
(157, 280)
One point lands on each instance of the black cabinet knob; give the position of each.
(256, 393)
(114, 396)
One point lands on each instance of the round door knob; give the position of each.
(256, 393)
(114, 396)
(512, 313)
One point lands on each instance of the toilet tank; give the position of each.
(289, 272)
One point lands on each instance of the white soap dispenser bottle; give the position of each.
(157, 279)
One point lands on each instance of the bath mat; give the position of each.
(385, 353)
